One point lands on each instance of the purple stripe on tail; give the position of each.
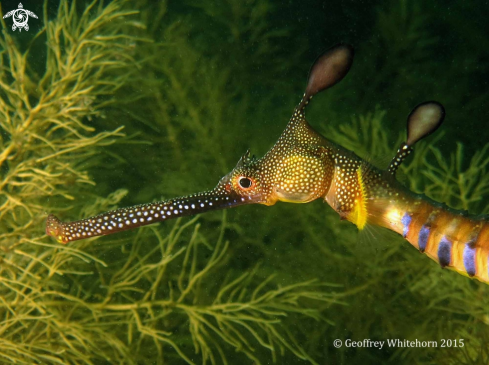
(424, 234)
(469, 258)
(406, 221)
(444, 252)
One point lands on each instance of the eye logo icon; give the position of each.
(20, 17)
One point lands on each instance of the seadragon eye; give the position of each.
(245, 183)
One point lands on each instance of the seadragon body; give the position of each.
(304, 166)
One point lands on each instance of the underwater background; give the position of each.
(111, 104)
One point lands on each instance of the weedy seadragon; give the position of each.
(303, 166)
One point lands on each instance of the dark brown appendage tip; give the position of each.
(329, 69)
(424, 120)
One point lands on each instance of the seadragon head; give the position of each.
(242, 186)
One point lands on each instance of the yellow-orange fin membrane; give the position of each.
(358, 215)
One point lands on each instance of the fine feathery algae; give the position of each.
(85, 304)
(44, 143)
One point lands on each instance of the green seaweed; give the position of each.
(155, 295)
